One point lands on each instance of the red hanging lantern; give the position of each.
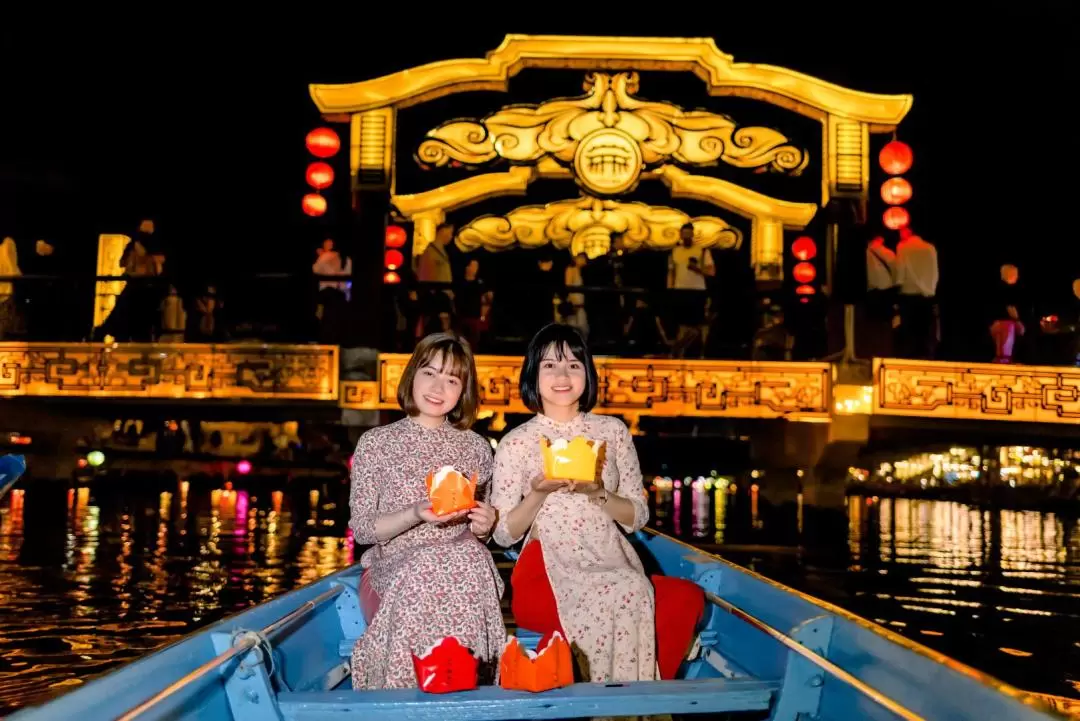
(896, 158)
(394, 259)
(323, 143)
(804, 273)
(313, 204)
(896, 218)
(896, 191)
(805, 290)
(320, 175)
(395, 236)
(804, 248)
(391, 278)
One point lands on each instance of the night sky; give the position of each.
(201, 124)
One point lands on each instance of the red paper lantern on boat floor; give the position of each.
(804, 248)
(896, 191)
(323, 143)
(395, 236)
(896, 158)
(313, 204)
(804, 273)
(896, 218)
(320, 175)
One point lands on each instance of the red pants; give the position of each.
(679, 606)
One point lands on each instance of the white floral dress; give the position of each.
(605, 601)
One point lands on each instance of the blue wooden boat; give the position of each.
(765, 651)
(11, 468)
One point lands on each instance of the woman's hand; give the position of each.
(425, 514)
(481, 520)
(542, 485)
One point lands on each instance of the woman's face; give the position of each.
(436, 390)
(561, 381)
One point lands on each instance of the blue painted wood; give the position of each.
(247, 683)
(583, 700)
(800, 695)
(11, 468)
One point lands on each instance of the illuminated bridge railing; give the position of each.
(636, 387)
(169, 371)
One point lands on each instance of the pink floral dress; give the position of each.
(605, 600)
(431, 581)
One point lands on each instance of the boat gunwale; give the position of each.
(1026, 697)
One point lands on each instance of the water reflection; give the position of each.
(90, 578)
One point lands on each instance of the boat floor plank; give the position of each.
(581, 700)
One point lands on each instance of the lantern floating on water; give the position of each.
(804, 272)
(896, 191)
(804, 248)
(323, 143)
(320, 175)
(896, 158)
(314, 204)
(896, 218)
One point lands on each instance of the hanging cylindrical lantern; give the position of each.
(896, 191)
(896, 158)
(320, 175)
(314, 204)
(804, 248)
(393, 259)
(896, 218)
(323, 143)
(395, 236)
(804, 272)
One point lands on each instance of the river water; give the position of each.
(93, 576)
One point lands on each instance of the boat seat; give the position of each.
(581, 700)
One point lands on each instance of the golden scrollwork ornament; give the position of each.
(587, 225)
(608, 136)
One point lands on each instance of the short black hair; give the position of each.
(562, 338)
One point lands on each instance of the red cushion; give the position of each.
(680, 605)
(532, 601)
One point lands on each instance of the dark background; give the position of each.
(200, 122)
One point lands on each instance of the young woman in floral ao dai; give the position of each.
(605, 601)
(426, 576)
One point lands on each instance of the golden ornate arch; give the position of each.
(608, 140)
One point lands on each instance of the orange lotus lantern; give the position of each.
(320, 175)
(395, 236)
(549, 668)
(450, 491)
(804, 248)
(804, 272)
(323, 143)
(313, 204)
(576, 460)
(393, 259)
(896, 191)
(446, 667)
(896, 158)
(896, 218)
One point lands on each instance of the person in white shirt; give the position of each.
(917, 277)
(688, 268)
(880, 308)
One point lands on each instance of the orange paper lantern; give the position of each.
(446, 667)
(896, 191)
(450, 491)
(393, 259)
(314, 204)
(805, 290)
(896, 218)
(804, 272)
(551, 667)
(320, 175)
(395, 236)
(804, 248)
(896, 158)
(323, 143)
(391, 278)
